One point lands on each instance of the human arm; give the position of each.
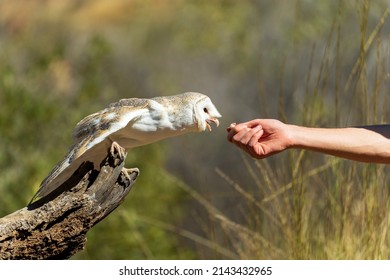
(264, 137)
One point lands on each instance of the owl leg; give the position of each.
(120, 150)
(131, 173)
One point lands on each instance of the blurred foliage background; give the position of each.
(317, 63)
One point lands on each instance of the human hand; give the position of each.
(260, 138)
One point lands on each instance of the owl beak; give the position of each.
(211, 120)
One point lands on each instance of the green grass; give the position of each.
(198, 197)
(302, 205)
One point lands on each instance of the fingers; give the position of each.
(246, 138)
(250, 124)
(255, 138)
(246, 135)
(254, 123)
(260, 137)
(231, 131)
(239, 130)
(232, 125)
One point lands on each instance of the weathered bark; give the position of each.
(55, 227)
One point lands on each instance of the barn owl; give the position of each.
(130, 123)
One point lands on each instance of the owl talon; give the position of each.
(116, 148)
(131, 173)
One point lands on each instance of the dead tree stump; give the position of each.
(56, 226)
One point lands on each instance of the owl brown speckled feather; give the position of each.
(130, 123)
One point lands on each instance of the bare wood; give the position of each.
(56, 226)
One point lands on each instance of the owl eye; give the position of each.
(205, 110)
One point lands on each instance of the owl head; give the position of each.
(190, 111)
(205, 113)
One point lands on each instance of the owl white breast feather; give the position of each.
(130, 123)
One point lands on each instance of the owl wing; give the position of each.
(91, 141)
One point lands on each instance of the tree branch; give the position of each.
(55, 227)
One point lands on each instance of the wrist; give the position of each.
(295, 136)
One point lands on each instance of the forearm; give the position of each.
(367, 144)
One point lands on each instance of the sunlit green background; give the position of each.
(319, 63)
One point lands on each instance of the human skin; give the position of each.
(262, 138)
